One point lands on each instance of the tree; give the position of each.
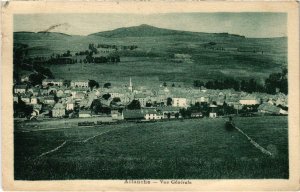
(107, 85)
(106, 96)
(135, 104)
(96, 106)
(93, 83)
(273, 82)
(169, 115)
(36, 79)
(116, 99)
(198, 83)
(173, 85)
(164, 84)
(183, 112)
(177, 115)
(22, 108)
(148, 104)
(169, 101)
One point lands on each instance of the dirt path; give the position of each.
(53, 150)
(80, 141)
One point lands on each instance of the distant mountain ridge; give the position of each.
(41, 32)
(145, 30)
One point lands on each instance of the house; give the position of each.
(60, 93)
(33, 100)
(52, 90)
(70, 105)
(179, 102)
(78, 96)
(25, 98)
(196, 114)
(16, 98)
(35, 91)
(213, 111)
(24, 78)
(142, 98)
(115, 114)
(133, 114)
(249, 100)
(78, 93)
(20, 89)
(44, 91)
(36, 110)
(152, 114)
(49, 100)
(85, 114)
(58, 110)
(80, 83)
(53, 82)
(168, 111)
(37, 107)
(267, 108)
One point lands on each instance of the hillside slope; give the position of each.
(211, 55)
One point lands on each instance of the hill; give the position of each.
(211, 55)
(150, 31)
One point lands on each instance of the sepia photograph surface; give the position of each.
(158, 98)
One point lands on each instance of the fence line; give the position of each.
(263, 150)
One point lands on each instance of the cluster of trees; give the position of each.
(98, 108)
(86, 52)
(135, 104)
(21, 109)
(94, 84)
(122, 47)
(107, 59)
(90, 58)
(22, 61)
(275, 82)
(41, 74)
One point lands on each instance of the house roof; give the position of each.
(34, 89)
(168, 108)
(269, 107)
(80, 81)
(249, 97)
(20, 86)
(53, 80)
(49, 98)
(132, 114)
(84, 112)
(140, 95)
(59, 106)
(37, 106)
(149, 111)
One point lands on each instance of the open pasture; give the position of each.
(189, 149)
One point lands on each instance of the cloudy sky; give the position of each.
(247, 24)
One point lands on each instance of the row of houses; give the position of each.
(63, 98)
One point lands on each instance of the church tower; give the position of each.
(130, 86)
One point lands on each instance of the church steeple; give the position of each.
(130, 85)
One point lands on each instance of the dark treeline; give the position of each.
(122, 47)
(276, 82)
(22, 62)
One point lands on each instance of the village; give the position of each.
(55, 98)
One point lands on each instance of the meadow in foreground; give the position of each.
(189, 149)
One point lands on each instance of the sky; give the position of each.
(258, 25)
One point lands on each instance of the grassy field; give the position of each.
(153, 58)
(187, 149)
